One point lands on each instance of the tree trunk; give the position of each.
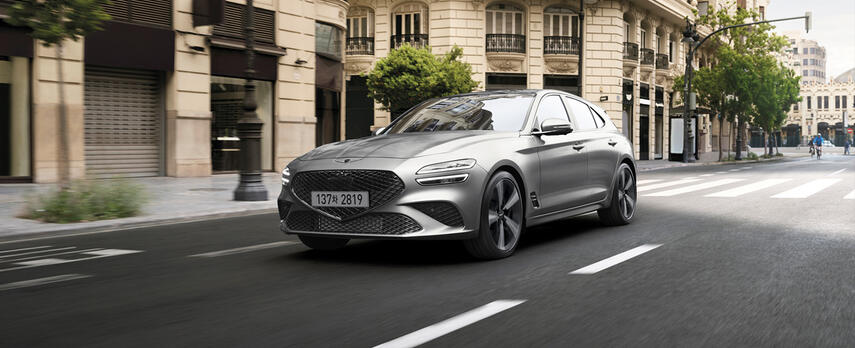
(729, 138)
(720, 132)
(777, 138)
(62, 144)
(739, 139)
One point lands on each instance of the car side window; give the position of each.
(581, 113)
(550, 107)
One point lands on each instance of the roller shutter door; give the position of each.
(123, 123)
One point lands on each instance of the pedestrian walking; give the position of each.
(846, 147)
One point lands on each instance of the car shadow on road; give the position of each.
(427, 252)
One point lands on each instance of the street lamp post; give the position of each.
(690, 36)
(250, 186)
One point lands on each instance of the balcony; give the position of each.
(661, 61)
(630, 51)
(415, 40)
(506, 43)
(647, 56)
(359, 46)
(560, 45)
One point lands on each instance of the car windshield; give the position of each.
(498, 112)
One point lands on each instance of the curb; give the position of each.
(120, 226)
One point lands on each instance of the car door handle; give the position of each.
(612, 142)
(578, 147)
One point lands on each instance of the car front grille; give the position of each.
(371, 223)
(382, 186)
(443, 212)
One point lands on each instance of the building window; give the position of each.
(741, 4)
(804, 62)
(561, 31)
(643, 38)
(762, 13)
(506, 29)
(808, 102)
(409, 25)
(825, 101)
(843, 102)
(804, 73)
(360, 32)
(795, 50)
(670, 51)
(328, 40)
(626, 36)
(837, 102)
(813, 50)
(804, 50)
(15, 154)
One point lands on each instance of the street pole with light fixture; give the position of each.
(690, 36)
(250, 187)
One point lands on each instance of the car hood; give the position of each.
(407, 145)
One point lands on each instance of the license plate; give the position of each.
(341, 199)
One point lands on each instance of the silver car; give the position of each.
(479, 167)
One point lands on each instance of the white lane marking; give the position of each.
(34, 252)
(733, 170)
(705, 175)
(42, 281)
(110, 252)
(450, 325)
(98, 254)
(721, 172)
(243, 249)
(693, 188)
(648, 181)
(665, 184)
(741, 190)
(837, 172)
(49, 255)
(22, 249)
(851, 195)
(614, 260)
(808, 189)
(746, 168)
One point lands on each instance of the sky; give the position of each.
(833, 27)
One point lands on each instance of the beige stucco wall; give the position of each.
(188, 98)
(46, 110)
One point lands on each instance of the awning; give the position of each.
(239, 45)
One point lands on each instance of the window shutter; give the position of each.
(233, 23)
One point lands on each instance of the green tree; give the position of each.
(408, 76)
(53, 22)
(777, 89)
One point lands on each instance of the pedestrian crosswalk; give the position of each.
(837, 187)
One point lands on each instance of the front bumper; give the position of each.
(410, 219)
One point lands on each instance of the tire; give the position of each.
(500, 229)
(323, 243)
(621, 209)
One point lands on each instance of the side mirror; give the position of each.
(554, 126)
(377, 131)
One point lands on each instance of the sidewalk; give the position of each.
(170, 200)
(648, 165)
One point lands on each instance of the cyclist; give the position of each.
(818, 143)
(812, 148)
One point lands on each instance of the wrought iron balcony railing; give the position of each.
(630, 51)
(359, 46)
(506, 43)
(560, 45)
(647, 56)
(415, 40)
(662, 61)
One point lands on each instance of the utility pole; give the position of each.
(250, 187)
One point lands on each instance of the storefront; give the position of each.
(16, 51)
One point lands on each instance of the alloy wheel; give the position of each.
(626, 193)
(504, 214)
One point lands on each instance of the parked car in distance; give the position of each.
(479, 167)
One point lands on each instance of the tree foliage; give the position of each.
(408, 76)
(53, 21)
(745, 83)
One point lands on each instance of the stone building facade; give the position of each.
(158, 92)
(821, 111)
(805, 57)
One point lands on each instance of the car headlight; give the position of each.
(447, 166)
(286, 176)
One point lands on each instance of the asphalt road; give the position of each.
(773, 264)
